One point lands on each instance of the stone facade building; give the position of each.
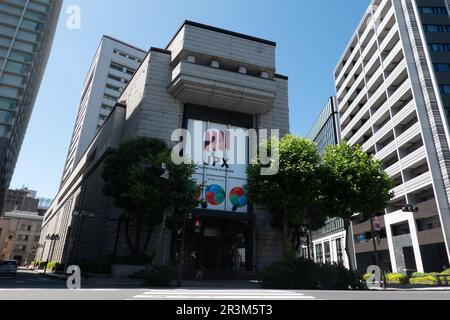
(218, 78)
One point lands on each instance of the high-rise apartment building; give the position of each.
(27, 29)
(114, 64)
(393, 94)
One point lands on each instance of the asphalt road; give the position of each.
(29, 286)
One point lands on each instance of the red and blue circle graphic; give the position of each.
(215, 195)
(238, 198)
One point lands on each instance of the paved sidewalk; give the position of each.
(97, 281)
(413, 288)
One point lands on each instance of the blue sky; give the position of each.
(310, 36)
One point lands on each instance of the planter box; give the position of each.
(123, 271)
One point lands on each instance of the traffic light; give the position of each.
(197, 226)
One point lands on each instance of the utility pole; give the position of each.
(181, 255)
(374, 242)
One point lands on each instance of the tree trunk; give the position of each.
(138, 237)
(147, 238)
(181, 254)
(308, 245)
(287, 251)
(348, 243)
(128, 237)
(161, 231)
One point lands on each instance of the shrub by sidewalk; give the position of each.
(158, 276)
(305, 274)
(396, 278)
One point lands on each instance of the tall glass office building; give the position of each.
(325, 131)
(27, 29)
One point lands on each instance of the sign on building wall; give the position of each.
(221, 172)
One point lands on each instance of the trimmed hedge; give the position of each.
(158, 276)
(447, 271)
(100, 265)
(52, 265)
(366, 276)
(423, 275)
(396, 278)
(305, 274)
(427, 280)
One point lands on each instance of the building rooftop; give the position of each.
(23, 215)
(228, 32)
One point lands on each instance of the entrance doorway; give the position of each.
(219, 244)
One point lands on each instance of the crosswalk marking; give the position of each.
(184, 294)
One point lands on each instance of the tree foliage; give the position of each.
(132, 176)
(293, 194)
(308, 189)
(354, 183)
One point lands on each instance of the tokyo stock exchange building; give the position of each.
(206, 79)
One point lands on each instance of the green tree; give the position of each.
(353, 183)
(133, 178)
(293, 194)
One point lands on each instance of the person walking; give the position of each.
(200, 269)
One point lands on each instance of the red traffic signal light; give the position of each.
(197, 226)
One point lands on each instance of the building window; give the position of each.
(439, 47)
(444, 89)
(339, 250)
(102, 117)
(16, 67)
(114, 88)
(106, 107)
(441, 67)
(319, 253)
(436, 28)
(118, 67)
(433, 10)
(6, 117)
(25, 227)
(112, 77)
(22, 237)
(109, 97)
(125, 55)
(327, 252)
(20, 248)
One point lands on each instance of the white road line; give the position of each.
(213, 291)
(181, 294)
(242, 297)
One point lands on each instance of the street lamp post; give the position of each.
(53, 238)
(181, 254)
